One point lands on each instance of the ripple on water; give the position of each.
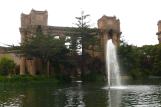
(135, 95)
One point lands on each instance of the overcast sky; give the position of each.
(138, 18)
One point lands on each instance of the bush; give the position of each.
(6, 66)
(63, 78)
(93, 77)
(136, 73)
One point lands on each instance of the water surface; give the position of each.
(79, 94)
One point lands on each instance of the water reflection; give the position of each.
(143, 96)
(10, 99)
(74, 96)
(114, 96)
(81, 95)
(137, 96)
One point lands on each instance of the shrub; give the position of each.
(136, 73)
(93, 77)
(6, 66)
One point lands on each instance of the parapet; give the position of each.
(159, 22)
(34, 18)
(159, 26)
(25, 20)
(109, 23)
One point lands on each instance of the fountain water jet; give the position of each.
(112, 67)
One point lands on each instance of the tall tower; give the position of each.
(34, 18)
(28, 24)
(109, 28)
(159, 31)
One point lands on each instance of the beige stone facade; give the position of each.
(34, 18)
(109, 26)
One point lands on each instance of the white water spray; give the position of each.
(112, 67)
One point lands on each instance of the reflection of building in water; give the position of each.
(114, 98)
(75, 96)
(10, 99)
(72, 96)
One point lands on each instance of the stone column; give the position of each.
(102, 41)
(31, 67)
(22, 66)
(115, 39)
(104, 38)
(38, 65)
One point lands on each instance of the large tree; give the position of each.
(83, 28)
(85, 35)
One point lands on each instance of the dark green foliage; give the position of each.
(6, 66)
(27, 80)
(84, 38)
(84, 35)
(93, 69)
(82, 20)
(140, 62)
(44, 47)
(93, 77)
(63, 78)
(77, 38)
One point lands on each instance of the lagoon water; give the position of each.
(79, 94)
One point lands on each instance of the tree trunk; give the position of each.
(48, 68)
(22, 66)
(31, 68)
(93, 51)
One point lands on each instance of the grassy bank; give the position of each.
(27, 80)
(93, 77)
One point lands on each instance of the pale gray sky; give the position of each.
(138, 17)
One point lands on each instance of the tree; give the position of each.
(156, 60)
(82, 36)
(83, 29)
(44, 47)
(140, 61)
(82, 21)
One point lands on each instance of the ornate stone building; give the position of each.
(29, 24)
(109, 27)
(159, 31)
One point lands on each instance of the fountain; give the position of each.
(117, 91)
(112, 67)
